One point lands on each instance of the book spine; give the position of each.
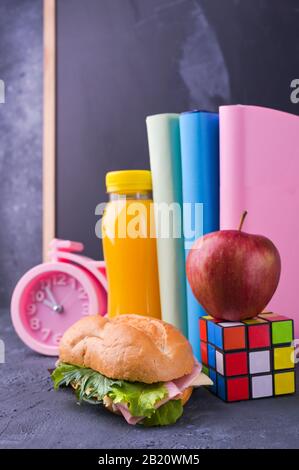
(165, 161)
(232, 161)
(200, 182)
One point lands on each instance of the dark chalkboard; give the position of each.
(21, 69)
(121, 60)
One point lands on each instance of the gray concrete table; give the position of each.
(33, 415)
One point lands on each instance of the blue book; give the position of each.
(199, 132)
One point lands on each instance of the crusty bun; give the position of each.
(128, 347)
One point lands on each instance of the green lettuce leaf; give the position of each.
(168, 413)
(64, 374)
(91, 384)
(139, 397)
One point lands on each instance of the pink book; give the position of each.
(259, 172)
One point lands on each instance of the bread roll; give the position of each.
(128, 347)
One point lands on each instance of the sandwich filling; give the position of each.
(154, 404)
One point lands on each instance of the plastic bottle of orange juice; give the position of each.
(129, 245)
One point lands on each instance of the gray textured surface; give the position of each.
(21, 140)
(32, 415)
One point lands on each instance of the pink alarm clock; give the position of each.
(50, 297)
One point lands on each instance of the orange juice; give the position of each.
(130, 246)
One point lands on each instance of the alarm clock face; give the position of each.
(47, 301)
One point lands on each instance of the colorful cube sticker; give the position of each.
(236, 363)
(262, 386)
(220, 362)
(233, 389)
(203, 330)
(282, 332)
(218, 336)
(283, 358)
(259, 335)
(282, 328)
(212, 333)
(284, 382)
(204, 352)
(232, 363)
(213, 377)
(271, 316)
(254, 321)
(259, 362)
(238, 389)
(221, 387)
(211, 356)
(234, 335)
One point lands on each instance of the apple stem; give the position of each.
(242, 220)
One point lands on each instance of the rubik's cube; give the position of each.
(249, 359)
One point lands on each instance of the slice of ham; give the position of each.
(174, 388)
(187, 380)
(127, 414)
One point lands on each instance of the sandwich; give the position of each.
(138, 367)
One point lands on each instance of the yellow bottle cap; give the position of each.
(128, 181)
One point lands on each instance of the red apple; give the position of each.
(233, 274)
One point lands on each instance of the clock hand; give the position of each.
(50, 295)
(55, 307)
(53, 303)
(48, 303)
